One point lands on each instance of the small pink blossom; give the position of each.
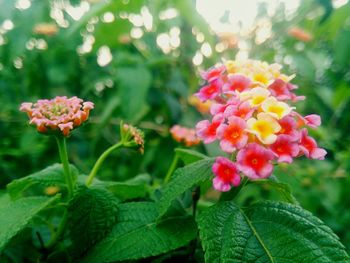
(254, 161)
(213, 73)
(280, 90)
(313, 120)
(206, 130)
(65, 127)
(242, 110)
(285, 149)
(232, 135)
(226, 174)
(60, 114)
(217, 108)
(210, 91)
(236, 82)
(309, 147)
(289, 127)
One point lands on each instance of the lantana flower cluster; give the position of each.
(59, 115)
(184, 135)
(252, 118)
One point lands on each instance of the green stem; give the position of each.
(99, 162)
(62, 148)
(234, 192)
(171, 168)
(62, 226)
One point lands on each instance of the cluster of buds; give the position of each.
(184, 135)
(133, 137)
(59, 115)
(252, 119)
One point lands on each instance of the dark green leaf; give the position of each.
(267, 232)
(137, 235)
(183, 179)
(136, 187)
(92, 214)
(50, 176)
(14, 216)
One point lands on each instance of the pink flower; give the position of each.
(232, 135)
(243, 110)
(289, 127)
(226, 174)
(313, 120)
(217, 108)
(280, 90)
(210, 91)
(236, 82)
(213, 73)
(206, 131)
(254, 161)
(65, 127)
(308, 146)
(58, 115)
(285, 149)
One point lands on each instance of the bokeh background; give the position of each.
(139, 60)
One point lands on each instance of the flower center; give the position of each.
(276, 109)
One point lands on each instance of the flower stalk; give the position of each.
(130, 137)
(100, 161)
(62, 148)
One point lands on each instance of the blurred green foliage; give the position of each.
(148, 87)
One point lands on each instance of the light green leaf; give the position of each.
(133, 84)
(267, 232)
(183, 179)
(92, 214)
(189, 156)
(50, 176)
(15, 215)
(137, 235)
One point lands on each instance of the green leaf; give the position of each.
(133, 83)
(189, 156)
(15, 215)
(183, 179)
(92, 214)
(137, 235)
(267, 232)
(50, 176)
(283, 188)
(341, 48)
(136, 187)
(4, 198)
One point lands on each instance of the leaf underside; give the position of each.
(267, 232)
(183, 179)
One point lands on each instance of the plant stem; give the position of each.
(196, 193)
(234, 192)
(99, 162)
(171, 168)
(55, 238)
(62, 148)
